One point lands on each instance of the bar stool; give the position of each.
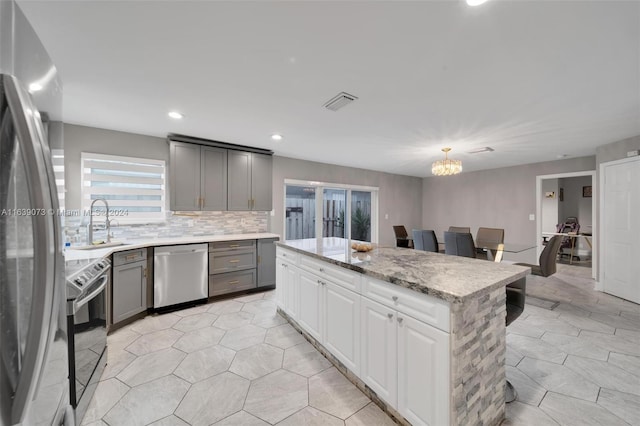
(516, 293)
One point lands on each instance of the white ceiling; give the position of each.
(532, 79)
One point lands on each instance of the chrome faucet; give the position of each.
(107, 223)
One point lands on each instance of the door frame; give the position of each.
(594, 214)
(601, 166)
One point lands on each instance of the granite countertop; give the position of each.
(87, 255)
(451, 278)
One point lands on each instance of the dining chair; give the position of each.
(425, 240)
(459, 244)
(488, 237)
(547, 261)
(402, 238)
(460, 229)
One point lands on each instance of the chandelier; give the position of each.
(446, 167)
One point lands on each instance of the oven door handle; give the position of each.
(80, 303)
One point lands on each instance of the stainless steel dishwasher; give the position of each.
(180, 274)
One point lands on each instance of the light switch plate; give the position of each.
(532, 216)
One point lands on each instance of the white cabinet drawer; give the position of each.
(341, 276)
(417, 305)
(288, 255)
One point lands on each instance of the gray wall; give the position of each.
(497, 198)
(399, 196)
(549, 206)
(78, 139)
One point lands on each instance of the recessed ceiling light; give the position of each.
(35, 87)
(276, 137)
(475, 2)
(175, 115)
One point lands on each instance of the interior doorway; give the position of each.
(565, 202)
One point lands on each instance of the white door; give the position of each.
(620, 236)
(310, 302)
(423, 372)
(378, 349)
(341, 331)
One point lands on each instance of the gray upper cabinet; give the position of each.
(184, 164)
(250, 176)
(213, 186)
(198, 177)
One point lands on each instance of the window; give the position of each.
(133, 187)
(345, 211)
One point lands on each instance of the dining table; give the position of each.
(574, 236)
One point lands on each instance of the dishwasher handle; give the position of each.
(173, 252)
(186, 249)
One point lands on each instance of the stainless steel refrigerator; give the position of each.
(34, 388)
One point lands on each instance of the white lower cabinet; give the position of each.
(287, 293)
(341, 325)
(379, 355)
(311, 296)
(406, 363)
(404, 360)
(423, 372)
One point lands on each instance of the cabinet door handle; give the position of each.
(284, 265)
(395, 298)
(234, 282)
(234, 245)
(203, 202)
(400, 320)
(249, 204)
(321, 269)
(198, 202)
(130, 257)
(234, 261)
(390, 316)
(144, 272)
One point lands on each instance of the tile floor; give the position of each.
(573, 356)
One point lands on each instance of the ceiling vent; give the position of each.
(479, 150)
(342, 99)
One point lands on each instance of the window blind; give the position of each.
(133, 187)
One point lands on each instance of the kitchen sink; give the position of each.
(99, 245)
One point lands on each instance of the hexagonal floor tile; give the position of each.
(149, 402)
(260, 306)
(257, 361)
(243, 337)
(192, 311)
(309, 416)
(195, 321)
(268, 320)
(283, 336)
(225, 307)
(241, 418)
(205, 363)
(370, 415)
(332, 393)
(233, 320)
(154, 323)
(305, 360)
(199, 339)
(213, 399)
(151, 366)
(154, 341)
(276, 396)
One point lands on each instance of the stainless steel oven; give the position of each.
(87, 325)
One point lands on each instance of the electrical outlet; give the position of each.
(633, 153)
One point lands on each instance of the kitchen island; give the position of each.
(423, 334)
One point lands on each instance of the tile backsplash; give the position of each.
(178, 224)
